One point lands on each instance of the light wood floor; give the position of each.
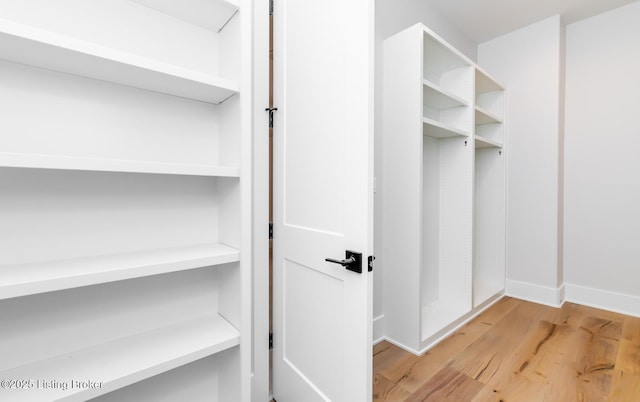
(518, 351)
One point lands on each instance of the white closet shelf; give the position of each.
(442, 56)
(40, 48)
(27, 279)
(485, 117)
(482, 142)
(122, 362)
(438, 98)
(435, 129)
(208, 14)
(486, 83)
(41, 161)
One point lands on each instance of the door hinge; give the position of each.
(370, 261)
(270, 230)
(270, 340)
(271, 110)
(270, 7)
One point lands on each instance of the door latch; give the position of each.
(352, 261)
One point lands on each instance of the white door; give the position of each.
(323, 199)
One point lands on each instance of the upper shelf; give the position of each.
(485, 83)
(485, 117)
(39, 161)
(122, 362)
(40, 48)
(27, 279)
(439, 56)
(438, 98)
(208, 14)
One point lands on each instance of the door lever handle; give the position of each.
(352, 261)
(344, 263)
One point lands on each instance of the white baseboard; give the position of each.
(378, 329)
(604, 299)
(553, 297)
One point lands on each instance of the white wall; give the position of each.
(529, 62)
(393, 16)
(602, 161)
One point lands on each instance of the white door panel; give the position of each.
(323, 142)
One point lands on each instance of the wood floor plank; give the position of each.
(448, 385)
(526, 373)
(413, 372)
(624, 387)
(625, 383)
(483, 358)
(385, 390)
(595, 366)
(386, 356)
(628, 359)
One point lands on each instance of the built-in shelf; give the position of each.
(438, 98)
(27, 279)
(119, 363)
(485, 117)
(454, 187)
(37, 47)
(208, 14)
(482, 142)
(435, 129)
(485, 83)
(40, 161)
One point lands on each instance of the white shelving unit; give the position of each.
(126, 176)
(431, 242)
(489, 190)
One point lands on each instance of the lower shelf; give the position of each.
(95, 371)
(27, 279)
(482, 142)
(439, 314)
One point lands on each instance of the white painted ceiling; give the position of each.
(481, 20)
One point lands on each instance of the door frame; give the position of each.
(260, 381)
